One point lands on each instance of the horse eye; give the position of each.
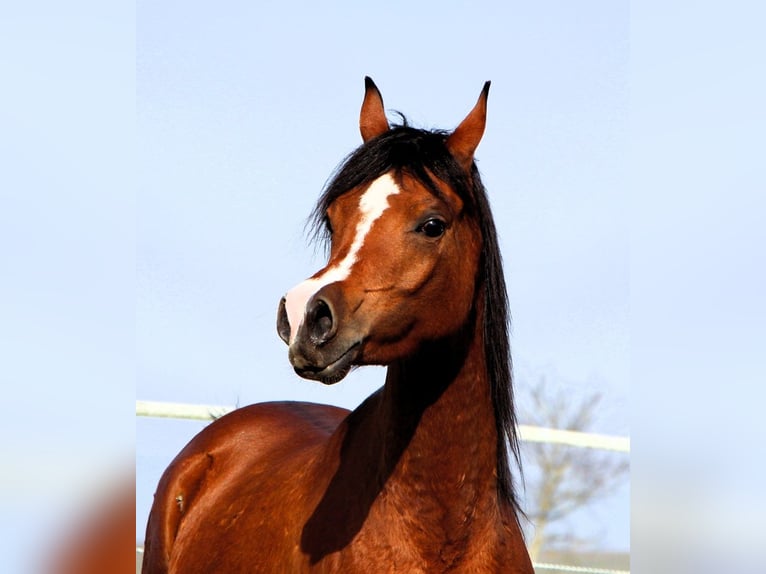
(433, 228)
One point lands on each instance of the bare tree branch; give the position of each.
(564, 478)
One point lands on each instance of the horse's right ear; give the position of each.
(372, 120)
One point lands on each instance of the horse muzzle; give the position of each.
(327, 371)
(316, 351)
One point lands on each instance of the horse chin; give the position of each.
(334, 372)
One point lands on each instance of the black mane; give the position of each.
(418, 152)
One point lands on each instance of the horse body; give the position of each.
(414, 479)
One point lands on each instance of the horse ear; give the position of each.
(462, 143)
(372, 120)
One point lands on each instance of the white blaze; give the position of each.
(372, 204)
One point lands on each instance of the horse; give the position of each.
(418, 477)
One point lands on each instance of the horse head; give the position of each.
(405, 248)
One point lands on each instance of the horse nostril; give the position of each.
(320, 321)
(283, 324)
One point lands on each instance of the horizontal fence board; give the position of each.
(537, 566)
(526, 432)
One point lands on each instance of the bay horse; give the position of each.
(417, 478)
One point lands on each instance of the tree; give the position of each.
(561, 478)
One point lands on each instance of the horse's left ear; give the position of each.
(372, 120)
(462, 143)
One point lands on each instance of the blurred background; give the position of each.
(157, 164)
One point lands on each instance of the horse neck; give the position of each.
(425, 447)
(437, 422)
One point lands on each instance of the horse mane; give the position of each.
(420, 153)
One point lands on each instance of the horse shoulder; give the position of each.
(224, 453)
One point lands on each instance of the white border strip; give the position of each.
(526, 432)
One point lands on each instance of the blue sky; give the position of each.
(245, 109)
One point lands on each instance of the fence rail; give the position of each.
(582, 569)
(526, 432)
(544, 566)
